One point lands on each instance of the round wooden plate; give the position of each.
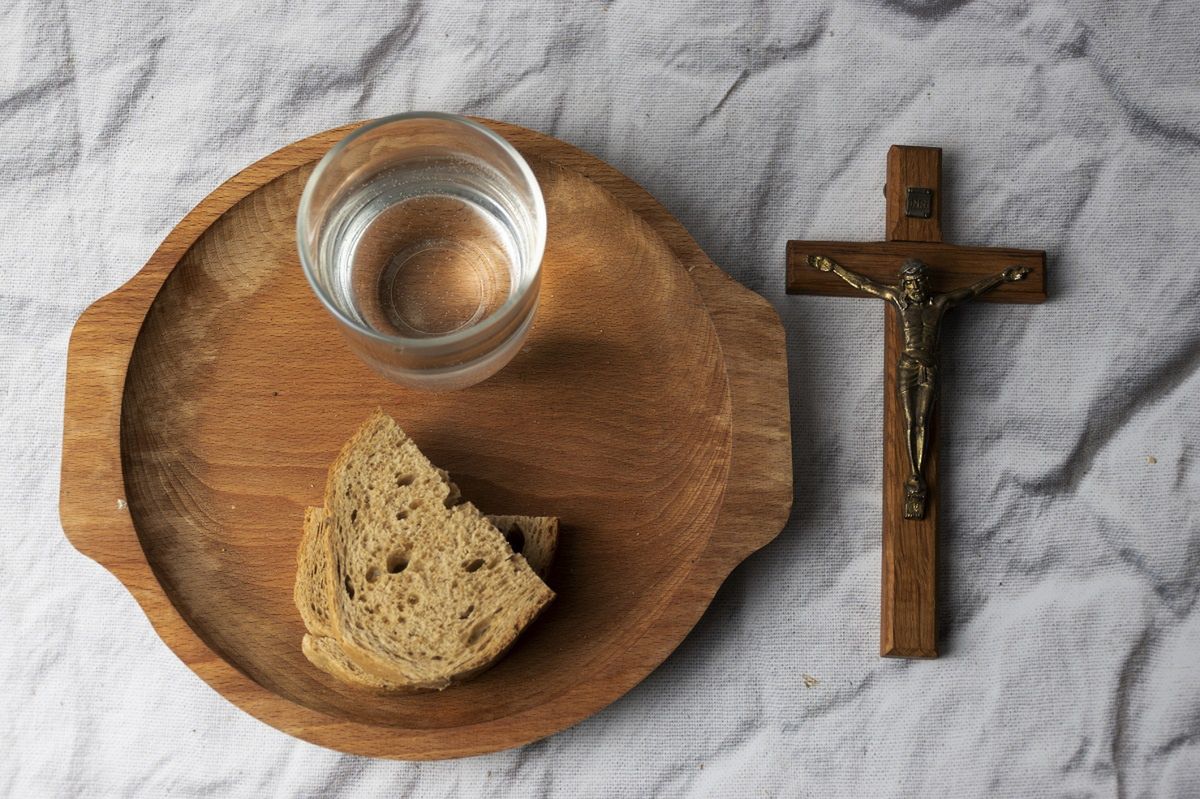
(648, 411)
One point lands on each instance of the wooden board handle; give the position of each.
(91, 496)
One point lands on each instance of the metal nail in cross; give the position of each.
(920, 278)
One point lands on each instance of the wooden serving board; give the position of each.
(649, 411)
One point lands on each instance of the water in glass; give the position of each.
(425, 248)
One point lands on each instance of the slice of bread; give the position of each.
(326, 654)
(534, 536)
(425, 593)
(314, 583)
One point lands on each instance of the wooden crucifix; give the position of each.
(920, 278)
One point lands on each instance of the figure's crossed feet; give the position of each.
(915, 493)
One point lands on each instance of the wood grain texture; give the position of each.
(908, 601)
(216, 460)
(913, 167)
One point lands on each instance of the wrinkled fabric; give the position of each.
(1070, 525)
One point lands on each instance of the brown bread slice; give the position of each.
(326, 654)
(425, 594)
(535, 536)
(313, 576)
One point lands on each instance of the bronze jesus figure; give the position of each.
(920, 314)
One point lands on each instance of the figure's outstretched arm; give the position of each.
(860, 282)
(1010, 275)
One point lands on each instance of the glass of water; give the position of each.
(423, 233)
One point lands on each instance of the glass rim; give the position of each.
(466, 334)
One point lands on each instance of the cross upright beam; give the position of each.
(908, 607)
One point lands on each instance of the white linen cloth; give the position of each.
(1071, 523)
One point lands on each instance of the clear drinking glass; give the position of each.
(423, 233)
